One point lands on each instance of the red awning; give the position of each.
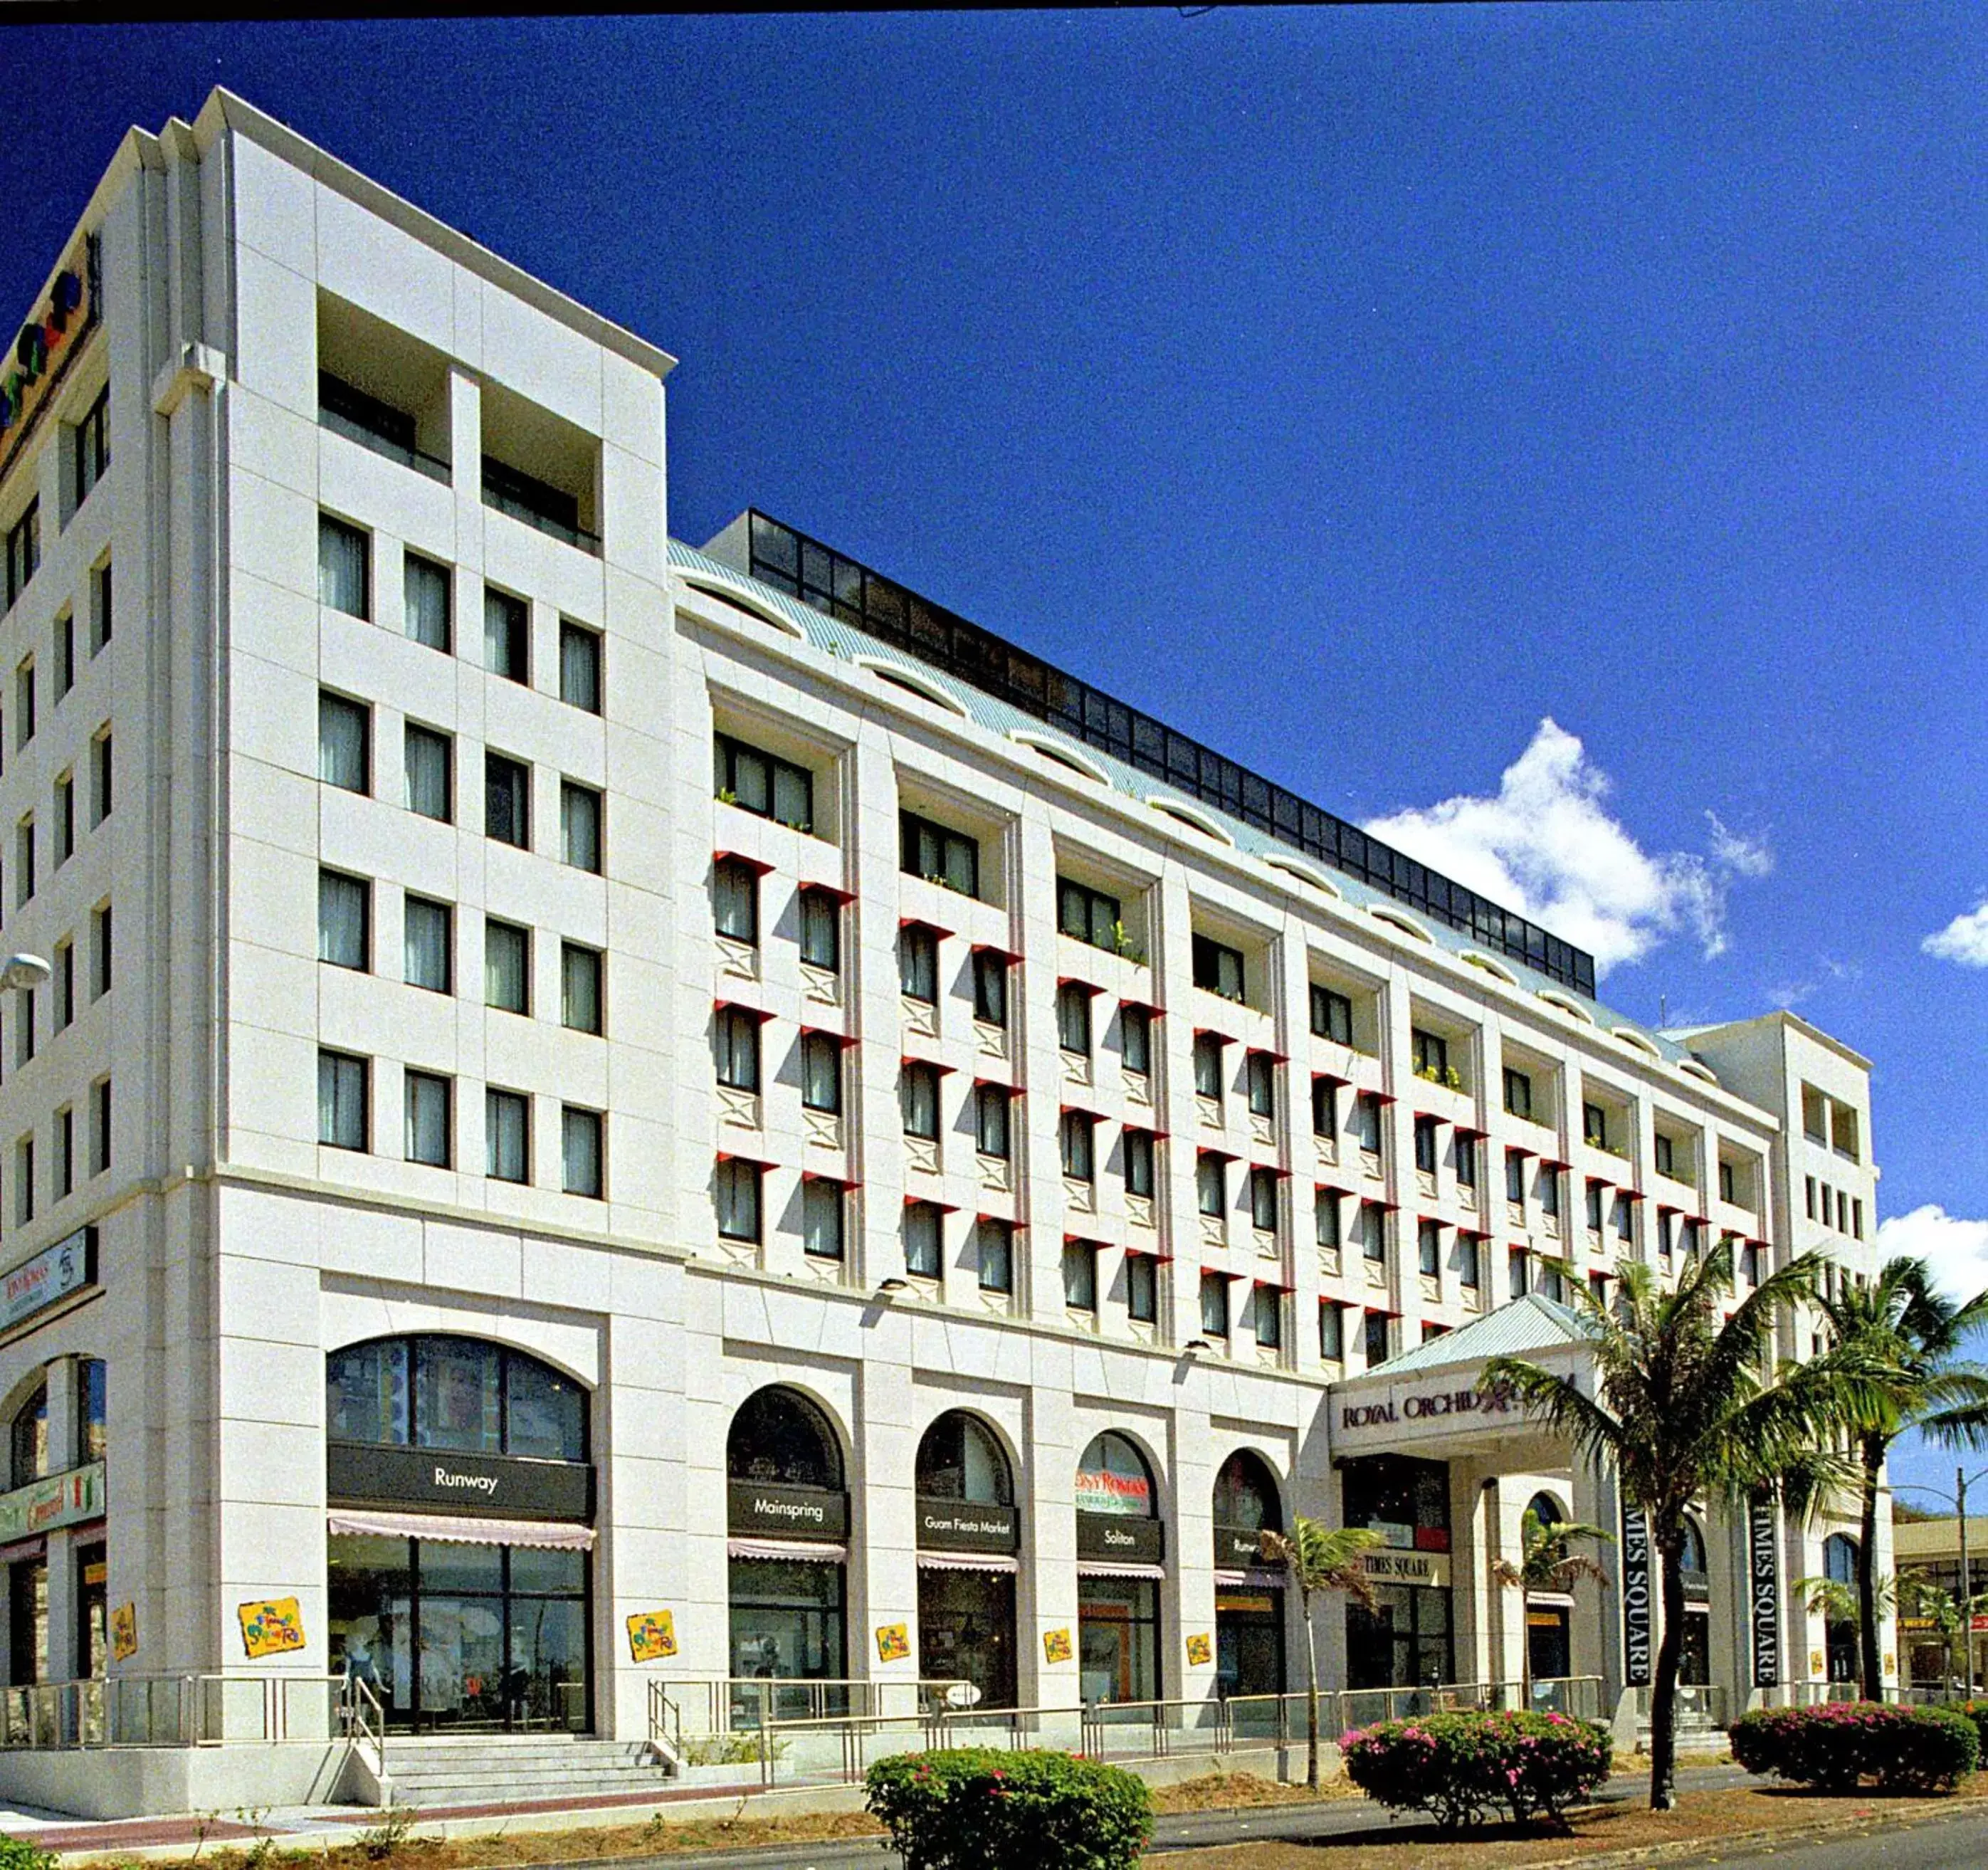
(759, 865)
(834, 891)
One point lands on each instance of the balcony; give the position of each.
(537, 503)
(378, 426)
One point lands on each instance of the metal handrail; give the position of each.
(356, 1700)
(189, 1708)
(665, 1722)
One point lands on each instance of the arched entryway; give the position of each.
(788, 1517)
(1120, 1555)
(1695, 1651)
(1248, 1595)
(460, 1485)
(967, 1536)
(1839, 1566)
(1549, 1614)
(51, 1523)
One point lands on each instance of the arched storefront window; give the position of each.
(1695, 1661)
(1839, 1566)
(1248, 1596)
(1121, 1550)
(1544, 1508)
(790, 1520)
(29, 1438)
(91, 1405)
(462, 1502)
(967, 1534)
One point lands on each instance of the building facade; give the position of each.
(687, 1114)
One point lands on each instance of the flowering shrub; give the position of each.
(974, 1808)
(1463, 1768)
(1837, 1746)
(1977, 1712)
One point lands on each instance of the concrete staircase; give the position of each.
(494, 1769)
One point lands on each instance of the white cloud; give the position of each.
(1965, 939)
(1546, 846)
(1955, 1249)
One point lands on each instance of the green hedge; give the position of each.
(1836, 1747)
(1464, 1769)
(1977, 1712)
(974, 1808)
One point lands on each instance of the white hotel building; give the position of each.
(634, 1079)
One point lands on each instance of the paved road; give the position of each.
(1958, 1843)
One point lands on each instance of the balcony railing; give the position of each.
(538, 504)
(375, 425)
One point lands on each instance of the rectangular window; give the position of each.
(99, 980)
(1263, 1081)
(1331, 1331)
(99, 1126)
(1268, 1321)
(65, 642)
(507, 800)
(581, 1000)
(428, 605)
(1466, 1160)
(1218, 968)
(1325, 1221)
(65, 1152)
(1624, 1229)
(65, 984)
(1215, 1305)
(763, 784)
(24, 702)
(1550, 1191)
(581, 1154)
(1728, 1183)
(344, 919)
(1331, 1015)
(994, 1255)
(1207, 1065)
(1425, 1145)
(821, 930)
(918, 963)
(1367, 1122)
(428, 1101)
(1469, 1261)
(1665, 1159)
(734, 900)
(917, 1100)
(1552, 1285)
(579, 825)
(1142, 1288)
(1137, 1146)
(1135, 1039)
(429, 957)
(1810, 1194)
(93, 446)
(1429, 1248)
(1518, 1263)
(24, 1182)
(821, 1074)
(64, 816)
(24, 860)
(579, 666)
(1377, 1338)
(99, 606)
(1211, 1183)
(736, 1186)
(1594, 1125)
(507, 966)
(1373, 1232)
(101, 770)
(924, 1239)
(990, 987)
(342, 753)
(1324, 1108)
(1518, 1093)
(430, 759)
(1073, 1018)
(507, 1135)
(1076, 1144)
(1089, 915)
(24, 551)
(342, 1119)
(1595, 1191)
(507, 635)
(1263, 1199)
(344, 567)
(823, 1205)
(1857, 1218)
(1080, 1276)
(1515, 1175)
(939, 854)
(990, 1121)
(1430, 1053)
(24, 1026)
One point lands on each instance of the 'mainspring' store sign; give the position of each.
(767, 1511)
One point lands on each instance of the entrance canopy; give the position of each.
(460, 1530)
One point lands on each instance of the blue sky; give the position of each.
(1360, 389)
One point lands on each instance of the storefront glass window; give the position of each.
(90, 1409)
(1403, 1642)
(959, 1460)
(466, 1394)
(458, 1396)
(30, 1438)
(1113, 1477)
(368, 1393)
(778, 1435)
(1118, 1639)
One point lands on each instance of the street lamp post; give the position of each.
(1959, 1498)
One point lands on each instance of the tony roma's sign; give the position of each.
(960, 1525)
(438, 1480)
(56, 1274)
(61, 1499)
(1635, 1596)
(1118, 1536)
(1763, 1591)
(789, 1512)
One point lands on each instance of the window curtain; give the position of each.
(427, 591)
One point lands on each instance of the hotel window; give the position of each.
(737, 1188)
(24, 1182)
(341, 739)
(1218, 968)
(579, 666)
(64, 816)
(821, 1074)
(1429, 1248)
(1425, 1145)
(25, 720)
(1431, 1054)
(65, 984)
(1080, 1276)
(1597, 1287)
(1142, 1288)
(1515, 1175)
(734, 900)
(1089, 915)
(507, 966)
(1373, 1232)
(1377, 1338)
(344, 915)
(938, 854)
(99, 980)
(580, 1152)
(427, 756)
(507, 800)
(1594, 1125)
(428, 1101)
(917, 1100)
(24, 1027)
(1666, 1227)
(1135, 1039)
(1857, 1218)
(1268, 1322)
(100, 771)
(990, 1121)
(1324, 1108)
(924, 1250)
(1075, 1144)
(1666, 1156)
(1262, 1083)
(342, 1120)
(24, 550)
(1595, 1191)
(1215, 1304)
(93, 446)
(994, 1255)
(1518, 1264)
(1549, 1190)
(580, 826)
(1366, 1121)
(344, 567)
(1211, 1183)
(507, 1128)
(1137, 1146)
(1331, 1331)
(1469, 1262)
(1728, 1183)
(990, 987)
(1207, 1065)
(65, 1152)
(1518, 1093)
(1466, 1160)
(763, 784)
(64, 654)
(821, 930)
(1810, 1180)
(918, 963)
(426, 590)
(1624, 1222)
(99, 1126)
(1325, 1220)
(581, 1000)
(1331, 1015)
(428, 960)
(1073, 1018)
(99, 606)
(824, 1204)
(507, 635)
(1263, 1199)
(1553, 1286)
(24, 860)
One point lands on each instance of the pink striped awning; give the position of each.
(462, 1530)
(967, 1561)
(804, 1551)
(1087, 1568)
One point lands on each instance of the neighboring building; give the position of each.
(1929, 1550)
(635, 1080)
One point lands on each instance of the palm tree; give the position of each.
(1940, 1609)
(1545, 1563)
(1837, 1601)
(1903, 1318)
(1317, 1557)
(1687, 1403)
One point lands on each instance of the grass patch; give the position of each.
(1235, 1791)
